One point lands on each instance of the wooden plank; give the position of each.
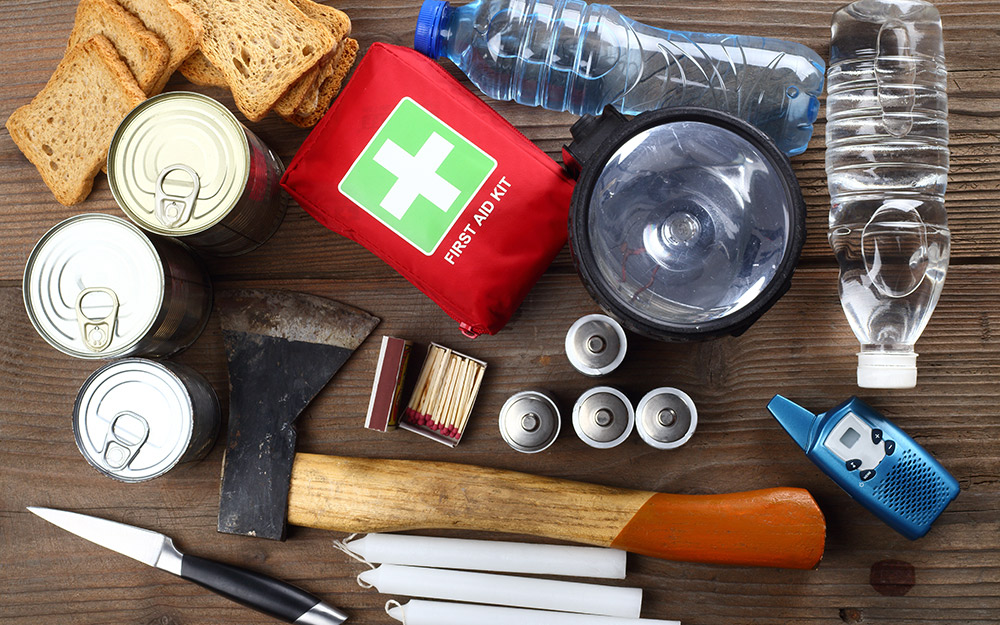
(802, 348)
(36, 34)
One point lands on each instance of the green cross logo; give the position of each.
(417, 175)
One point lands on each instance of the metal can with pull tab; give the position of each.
(603, 417)
(97, 287)
(135, 419)
(181, 165)
(530, 421)
(596, 344)
(666, 418)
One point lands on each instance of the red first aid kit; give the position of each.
(420, 171)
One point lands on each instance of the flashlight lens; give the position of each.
(688, 223)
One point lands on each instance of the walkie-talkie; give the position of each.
(880, 466)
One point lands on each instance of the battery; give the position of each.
(530, 421)
(603, 417)
(135, 419)
(181, 165)
(596, 345)
(666, 418)
(97, 287)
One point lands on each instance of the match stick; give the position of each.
(435, 383)
(448, 397)
(467, 409)
(458, 396)
(470, 374)
(418, 390)
(439, 394)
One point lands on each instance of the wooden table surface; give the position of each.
(802, 348)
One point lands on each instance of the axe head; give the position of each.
(282, 349)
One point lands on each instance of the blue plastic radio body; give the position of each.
(880, 466)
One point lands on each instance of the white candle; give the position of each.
(418, 612)
(490, 555)
(524, 592)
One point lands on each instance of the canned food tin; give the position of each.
(666, 418)
(95, 286)
(603, 417)
(135, 419)
(596, 344)
(181, 165)
(529, 421)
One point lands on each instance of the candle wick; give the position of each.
(363, 583)
(345, 546)
(390, 604)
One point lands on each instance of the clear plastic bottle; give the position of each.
(887, 168)
(566, 55)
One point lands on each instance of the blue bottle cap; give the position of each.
(427, 38)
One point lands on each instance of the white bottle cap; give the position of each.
(887, 369)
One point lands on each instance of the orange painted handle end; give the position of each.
(780, 527)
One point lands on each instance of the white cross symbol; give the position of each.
(416, 175)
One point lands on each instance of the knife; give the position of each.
(260, 592)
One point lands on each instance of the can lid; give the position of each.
(133, 419)
(93, 286)
(596, 344)
(603, 417)
(666, 418)
(178, 163)
(529, 421)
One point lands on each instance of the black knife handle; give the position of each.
(260, 592)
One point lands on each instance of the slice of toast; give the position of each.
(67, 128)
(340, 27)
(314, 111)
(328, 67)
(261, 47)
(175, 23)
(145, 54)
(199, 70)
(338, 65)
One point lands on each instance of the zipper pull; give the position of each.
(469, 331)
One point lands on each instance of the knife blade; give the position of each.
(260, 592)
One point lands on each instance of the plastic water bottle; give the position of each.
(566, 55)
(887, 167)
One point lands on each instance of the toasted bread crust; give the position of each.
(309, 85)
(262, 47)
(145, 53)
(175, 23)
(67, 128)
(329, 89)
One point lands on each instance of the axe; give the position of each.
(284, 347)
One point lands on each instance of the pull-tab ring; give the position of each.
(126, 436)
(175, 210)
(97, 332)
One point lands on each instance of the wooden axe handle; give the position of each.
(781, 527)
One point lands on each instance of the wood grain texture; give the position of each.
(36, 34)
(361, 495)
(802, 348)
(774, 527)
